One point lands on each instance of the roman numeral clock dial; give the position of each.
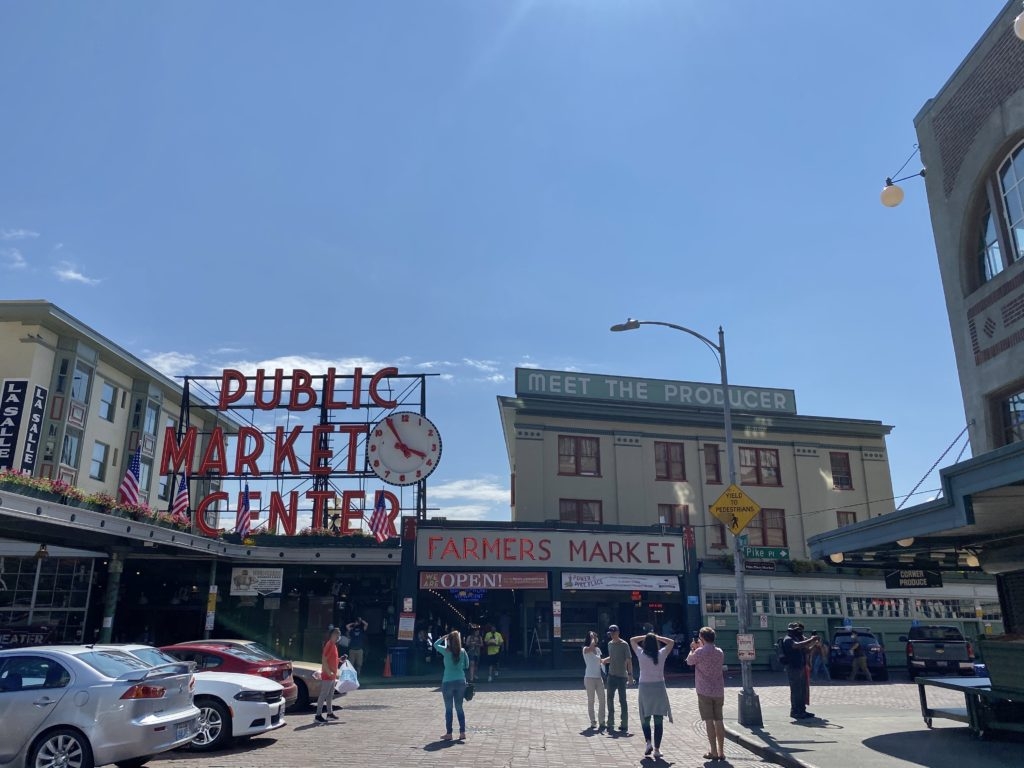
(403, 448)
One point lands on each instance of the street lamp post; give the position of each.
(749, 703)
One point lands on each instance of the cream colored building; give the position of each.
(590, 449)
(86, 404)
(644, 452)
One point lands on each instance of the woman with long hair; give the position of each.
(453, 683)
(592, 678)
(651, 652)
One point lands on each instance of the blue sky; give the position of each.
(464, 186)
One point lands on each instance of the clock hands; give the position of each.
(400, 445)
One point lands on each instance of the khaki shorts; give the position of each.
(710, 707)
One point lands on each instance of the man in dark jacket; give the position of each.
(796, 647)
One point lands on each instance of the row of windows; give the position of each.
(581, 457)
(767, 529)
(856, 607)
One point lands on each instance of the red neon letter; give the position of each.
(213, 499)
(377, 398)
(213, 459)
(302, 384)
(245, 459)
(229, 395)
(176, 454)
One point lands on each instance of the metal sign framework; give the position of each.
(338, 395)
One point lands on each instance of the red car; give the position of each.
(212, 656)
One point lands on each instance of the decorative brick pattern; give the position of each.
(997, 76)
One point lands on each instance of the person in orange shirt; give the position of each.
(329, 662)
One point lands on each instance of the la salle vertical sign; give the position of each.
(12, 407)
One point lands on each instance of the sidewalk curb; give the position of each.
(759, 748)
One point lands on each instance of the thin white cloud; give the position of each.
(174, 363)
(474, 499)
(68, 273)
(17, 234)
(487, 366)
(13, 258)
(480, 490)
(495, 378)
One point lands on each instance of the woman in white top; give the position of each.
(592, 679)
(651, 651)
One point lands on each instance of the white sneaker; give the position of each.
(657, 753)
(648, 750)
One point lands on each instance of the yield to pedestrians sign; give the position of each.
(735, 509)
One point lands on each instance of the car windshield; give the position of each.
(261, 649)
(244, 653)
(112, 663)
(154, 657)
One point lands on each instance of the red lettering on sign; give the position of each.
(284, 449)
(213, 460)
(469, 546)
(257, 395)
(432, 542)
(631, 548)
(320, 453)
(246, 460)
(577, 550)
(544, 545)
(287, 517)
(302, 384)
(176, 455)
(615, 551)
(201, 524)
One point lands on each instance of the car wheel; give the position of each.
(214, 726)
(136, 762)
(302, 702)
(59, 748)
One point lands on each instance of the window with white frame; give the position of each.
(108, 401)
(1000, 238)
(98, 463)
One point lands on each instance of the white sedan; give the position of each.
(231, 706)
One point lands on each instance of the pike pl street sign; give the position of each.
(766, 553)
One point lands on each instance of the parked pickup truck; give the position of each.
(938, 650)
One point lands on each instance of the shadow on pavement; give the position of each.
(437, 746)
(948, 747)
(254, 744)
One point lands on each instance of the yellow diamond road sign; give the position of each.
(735, 509)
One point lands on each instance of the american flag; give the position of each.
(128, 492)
(379, 519)
(243, 518)
(179, 507)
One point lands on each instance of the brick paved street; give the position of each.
(521, 724)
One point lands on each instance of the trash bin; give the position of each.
(399, 660)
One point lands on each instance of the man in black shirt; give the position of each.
(796, 647)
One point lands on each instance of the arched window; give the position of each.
(1001, 227)
(990, 258)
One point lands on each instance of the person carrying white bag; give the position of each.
(348, 678)
(329, 663)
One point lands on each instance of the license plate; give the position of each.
(182, 730)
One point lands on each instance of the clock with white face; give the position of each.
(403, 448)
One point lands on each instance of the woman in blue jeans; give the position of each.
(453, 684)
